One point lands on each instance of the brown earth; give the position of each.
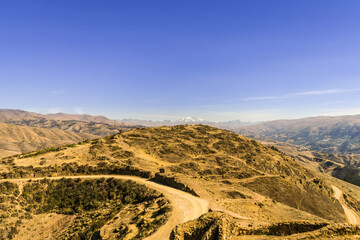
(50, 130)
(94, 125)
(17, 139)
(236, 174)
(216, 225)
(10, 115)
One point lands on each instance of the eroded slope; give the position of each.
(17, 139)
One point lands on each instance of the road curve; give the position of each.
(351, 215)
(185, 206)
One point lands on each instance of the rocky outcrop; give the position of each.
(210, 226)
(218, 225)
(332, 231)
(281, 228)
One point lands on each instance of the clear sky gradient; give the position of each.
(251, 60)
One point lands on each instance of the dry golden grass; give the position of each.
(17, 139)
(44, 226)
(219, 165)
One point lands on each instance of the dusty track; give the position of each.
(185, 206)
(350, 214)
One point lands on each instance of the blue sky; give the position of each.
(251, 60)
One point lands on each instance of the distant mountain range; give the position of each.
(16, 139)
(235, 174)
(22, 131)
(229, 125)
(82, 123)
(339, 134)
(99, 125)
(11, 115)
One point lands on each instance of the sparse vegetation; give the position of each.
(239, 174)
(93, 202)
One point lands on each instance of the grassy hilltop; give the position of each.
(235, 173)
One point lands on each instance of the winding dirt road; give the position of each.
(185, 206)
(351, 215)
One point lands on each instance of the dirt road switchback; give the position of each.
(185, 206)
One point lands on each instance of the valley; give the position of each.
(337, 135)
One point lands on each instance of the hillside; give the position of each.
(17, 139)
(66, 209)
(323, 134)
(258, 188)
(94, 125)
(317, 161)
(82, 117)
(7, 115)
(234, 173)
(98, 129)
(344, 167)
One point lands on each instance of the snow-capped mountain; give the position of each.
(230, 125)
(191, 120)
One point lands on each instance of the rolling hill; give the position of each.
(253, 185)
(83, 118)
(17, 139)
(9, 115)
(94, 125)
(23, 131)
(231, 171)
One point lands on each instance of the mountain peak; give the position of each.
(191, 119)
